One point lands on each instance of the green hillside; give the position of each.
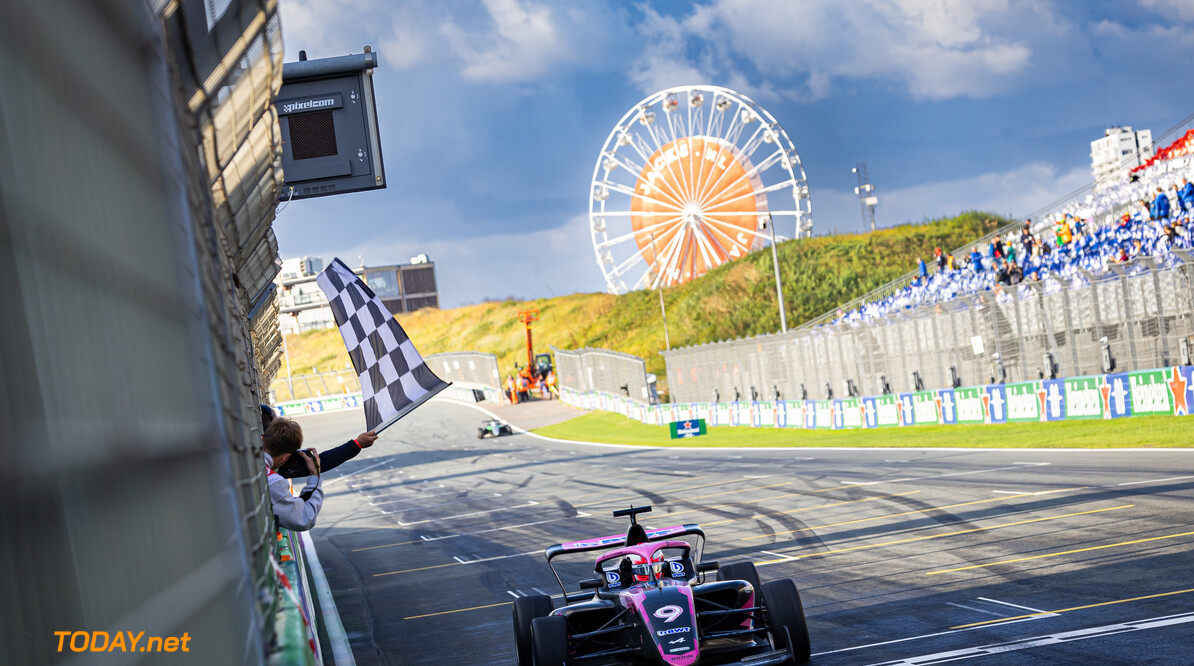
(733, 301)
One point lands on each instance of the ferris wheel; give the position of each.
(689, 179)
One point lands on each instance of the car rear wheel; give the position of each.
(526, 609)
(786, 619)
(743, 571)
(549, 636)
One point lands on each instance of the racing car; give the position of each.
(494, 428)
(649, 603)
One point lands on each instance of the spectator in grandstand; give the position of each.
(1160, 210)
(1015, 274)
(940, 259)
(976, 260)
(1026, 239)
(921, 269)
(1186, 193)
(329, 459)
(282, 440)
(1062, 233)
(1002, 275)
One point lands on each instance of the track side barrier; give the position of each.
(1161, 391)
(296, 638)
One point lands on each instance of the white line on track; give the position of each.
(1041, 641)
(466, 515)
(353, 473)
(783, 558)
(579, 514)
(1172, 478)
(1011, 605)
(341, 648)
(1024, 493)
(915, 638)
(976, 610)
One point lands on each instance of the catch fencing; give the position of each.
(474, 369)
(604, 371)
(315, 385)
(137, 196)
(1140, 315)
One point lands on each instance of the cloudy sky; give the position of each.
(492, 112)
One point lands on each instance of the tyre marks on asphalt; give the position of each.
(954, 533)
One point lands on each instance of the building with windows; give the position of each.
(303, 307)
(1120, 149)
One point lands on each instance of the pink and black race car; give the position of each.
(649, 603)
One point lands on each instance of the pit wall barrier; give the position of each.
(296, 638)
(1168, 391)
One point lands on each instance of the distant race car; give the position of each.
(494, 428)
(650, 604)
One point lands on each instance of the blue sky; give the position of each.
(492, 112)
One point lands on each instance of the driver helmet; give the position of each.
(645, 570)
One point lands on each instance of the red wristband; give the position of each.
(358, 445)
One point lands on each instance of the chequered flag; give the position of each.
(394, 378)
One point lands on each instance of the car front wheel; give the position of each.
(526, 609)
(786, 622)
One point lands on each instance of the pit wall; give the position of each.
(1168, 391)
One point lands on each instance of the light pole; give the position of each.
(866, 199)
(289, 377)
(662, 311)
(779, 288)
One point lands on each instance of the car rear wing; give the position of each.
(613, 541)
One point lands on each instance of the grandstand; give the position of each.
(1070, 246)
(1095, 279)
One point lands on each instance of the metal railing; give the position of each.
(314, 385)
(1139, 313)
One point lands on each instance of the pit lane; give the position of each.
(902, 556)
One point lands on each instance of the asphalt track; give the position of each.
(901, 556)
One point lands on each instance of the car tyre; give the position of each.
(526, 609)
(744, 571)
(506, 430)
(549, 637)
(786, 619)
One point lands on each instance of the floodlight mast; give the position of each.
(866, 199)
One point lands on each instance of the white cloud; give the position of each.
(935, 49)
(522, 45)
(1020, 191)
(1179, 9)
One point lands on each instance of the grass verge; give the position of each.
(1136, 432)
